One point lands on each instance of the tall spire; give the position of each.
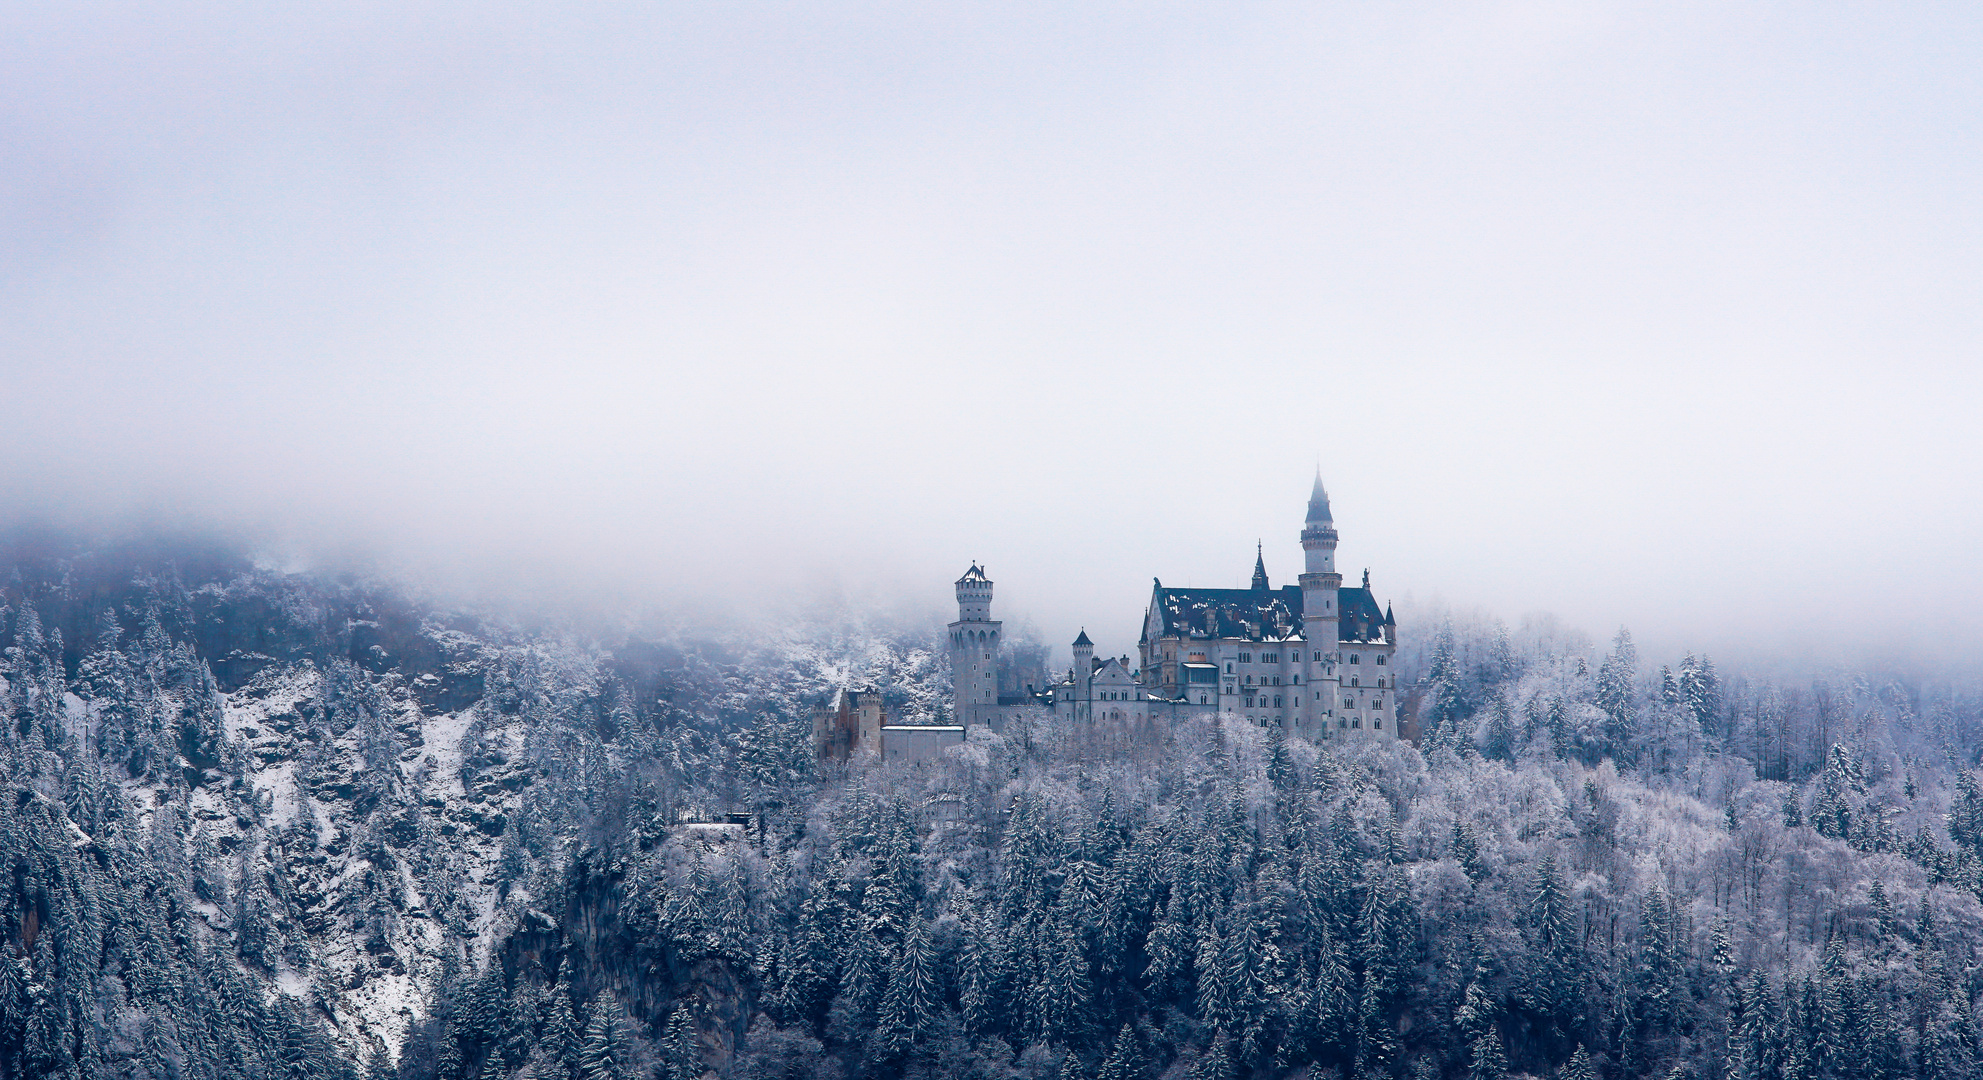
(1259, 566)
(1318, 500)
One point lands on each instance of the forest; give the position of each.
(308, 825)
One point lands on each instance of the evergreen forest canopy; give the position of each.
(268, 825)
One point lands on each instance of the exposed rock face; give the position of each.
(369, 804)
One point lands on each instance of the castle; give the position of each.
(1315, 658)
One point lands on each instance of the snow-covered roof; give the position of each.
(1261, 615)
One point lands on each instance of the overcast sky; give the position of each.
(1664, 315)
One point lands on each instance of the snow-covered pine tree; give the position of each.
(1616, 696)
(681, 1051)
(602, 1053)
(1125, 1058)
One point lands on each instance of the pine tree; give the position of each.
(1489, 1060)
(981, 978)
(1216, 1062)
(1831, 813)
(1883, 913)
(1333, 1003)
(1579, 1067)
(681, 1051)
(1475, 1016)
(603, 1053)
(1125, 1060)
(1063, 994)
(559, 1041)
(1499, 744)
(1615, 696)
(1466, 852)
(1280, 767)
(1700, 693)
(860, 981)
(1659, 966)
(910, 1005)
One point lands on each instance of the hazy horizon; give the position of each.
(1653, 316)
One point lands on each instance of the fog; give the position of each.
(1656, 315)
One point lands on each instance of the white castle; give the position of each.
(1316, 658)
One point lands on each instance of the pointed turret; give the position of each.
(1318, 501)
(1084, 665)
(1320, 614)
(1259, 566)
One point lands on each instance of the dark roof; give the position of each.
(1083, 639)
(1257, 615)
(973, 576)
(1357, 616)
(1259, 568)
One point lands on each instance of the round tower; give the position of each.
(1320, 582)
(1319, 607)
(974, 640)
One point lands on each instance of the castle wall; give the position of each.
(918, 744)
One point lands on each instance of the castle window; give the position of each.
(1348, 704)
(1353, 658)
(1318, 658)
(1356, 724)
(1277, 701)
(1377, 724)
(1380, 661)
(1297, 679)
(1353, 681)
(1246, 658)
(1228, 667)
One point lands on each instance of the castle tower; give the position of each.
(1084, 666)
(1321, 579)
(1259, 567)
(974, 649)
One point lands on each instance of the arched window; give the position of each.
(1380, 661)
(1353, 658)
